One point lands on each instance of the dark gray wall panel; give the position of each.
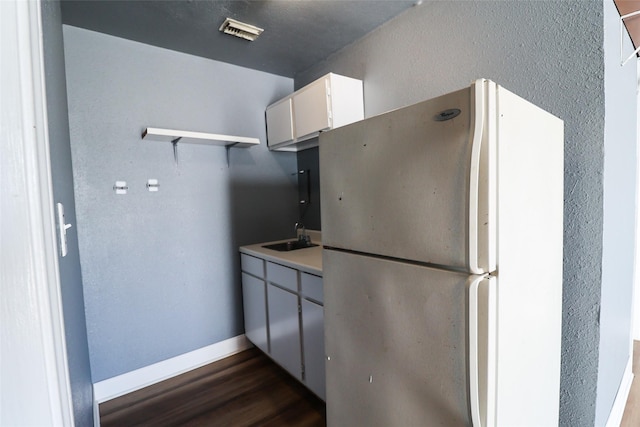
(550, 53)
(309, 188)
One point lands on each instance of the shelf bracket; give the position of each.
(175, 149)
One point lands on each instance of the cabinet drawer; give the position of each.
(311, 287)
(252, 265)
(282, 276)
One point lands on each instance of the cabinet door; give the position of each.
(255, 311)
(311, 109)
(284, 329)
(279, 122)
(313, 339)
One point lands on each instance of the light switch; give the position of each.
(153, 185)
(120, 187)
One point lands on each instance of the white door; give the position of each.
(34, 382)
(396, 343)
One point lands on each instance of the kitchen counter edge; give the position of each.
(308, 260)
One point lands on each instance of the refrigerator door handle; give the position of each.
(474, 176)
(482, 347)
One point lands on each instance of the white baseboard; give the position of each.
(96, 414)
(617, 411)
(131, 381)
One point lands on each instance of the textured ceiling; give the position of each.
(297, 34)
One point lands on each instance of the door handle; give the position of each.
(62, 229)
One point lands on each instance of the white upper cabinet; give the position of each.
(312, 108)
(327, 103)
(280, 121)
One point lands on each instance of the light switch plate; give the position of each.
(120, 187)
(153, 185)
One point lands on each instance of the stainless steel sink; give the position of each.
(291, 245)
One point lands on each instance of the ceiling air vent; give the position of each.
(240, 29)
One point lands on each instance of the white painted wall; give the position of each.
(636, 294)
(619, 188)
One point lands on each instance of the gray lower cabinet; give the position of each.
(284, 317)
(313, 338)
(284, 329)
(254, 297)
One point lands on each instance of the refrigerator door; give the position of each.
(399, 184)
(396, 343)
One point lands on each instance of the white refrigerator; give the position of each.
(442, 226)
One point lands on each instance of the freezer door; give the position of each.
(398, 184)
(396, 343)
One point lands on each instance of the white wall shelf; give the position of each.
(172, 135)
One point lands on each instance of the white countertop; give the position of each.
(308, 260)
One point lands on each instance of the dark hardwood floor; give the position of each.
(631, 417)
(246, 389)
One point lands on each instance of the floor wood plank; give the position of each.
(246, 389)
(631, 417)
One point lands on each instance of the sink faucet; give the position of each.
(302, 236)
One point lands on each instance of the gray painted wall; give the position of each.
(618, 255)
(550, 53)
(62, 178)
(161, 270)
